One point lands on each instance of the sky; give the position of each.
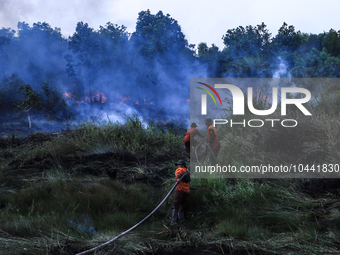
(201, 21)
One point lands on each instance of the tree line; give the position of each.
(153, 61)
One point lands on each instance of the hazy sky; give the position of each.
(201, 21)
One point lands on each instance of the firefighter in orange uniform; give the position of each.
(213, 141)
(181, 197)
(189, 138)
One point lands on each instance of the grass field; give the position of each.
(56, 196)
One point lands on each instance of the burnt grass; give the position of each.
(21, 169)
(86, 164)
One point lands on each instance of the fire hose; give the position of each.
(135, 226)
(196, 148)
(208, 146)
(213, 154)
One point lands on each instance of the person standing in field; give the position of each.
(182, 193)
(213, 141)
(189, 139)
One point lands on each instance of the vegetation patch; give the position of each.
(110, 177)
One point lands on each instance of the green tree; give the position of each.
(310, 41)
(248, 41)
(95, 54)
(116, 35)
(210, 56)
(247, 52)
(51, 99)
(160, 53)
(158, 34)
(315, 64)
(203, 49)
(97, 48)
(287, 39)
(331, 42)
(288, 45)
(31, 100)
(37, 53)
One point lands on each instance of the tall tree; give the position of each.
(95, 54)
(31, 100)
(248, 41)
(331, 42)
(287, 38)
(161, 54)
(158, 34)
(247, 51)
(36, 53)
(212, 57)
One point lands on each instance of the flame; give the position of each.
(101, 98)
(93, 97)
(124, 99)
(188, 101)
(68, 95)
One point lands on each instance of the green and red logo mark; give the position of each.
(209, 93)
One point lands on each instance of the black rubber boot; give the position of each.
(174, 214)
(181, 217)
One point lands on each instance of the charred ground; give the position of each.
(57, 198)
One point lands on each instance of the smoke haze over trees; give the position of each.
(109, 71)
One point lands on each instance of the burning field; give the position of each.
(92, 124)
(66, 192)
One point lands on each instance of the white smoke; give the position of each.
(282, 70)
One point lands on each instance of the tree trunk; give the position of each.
(29, 120)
